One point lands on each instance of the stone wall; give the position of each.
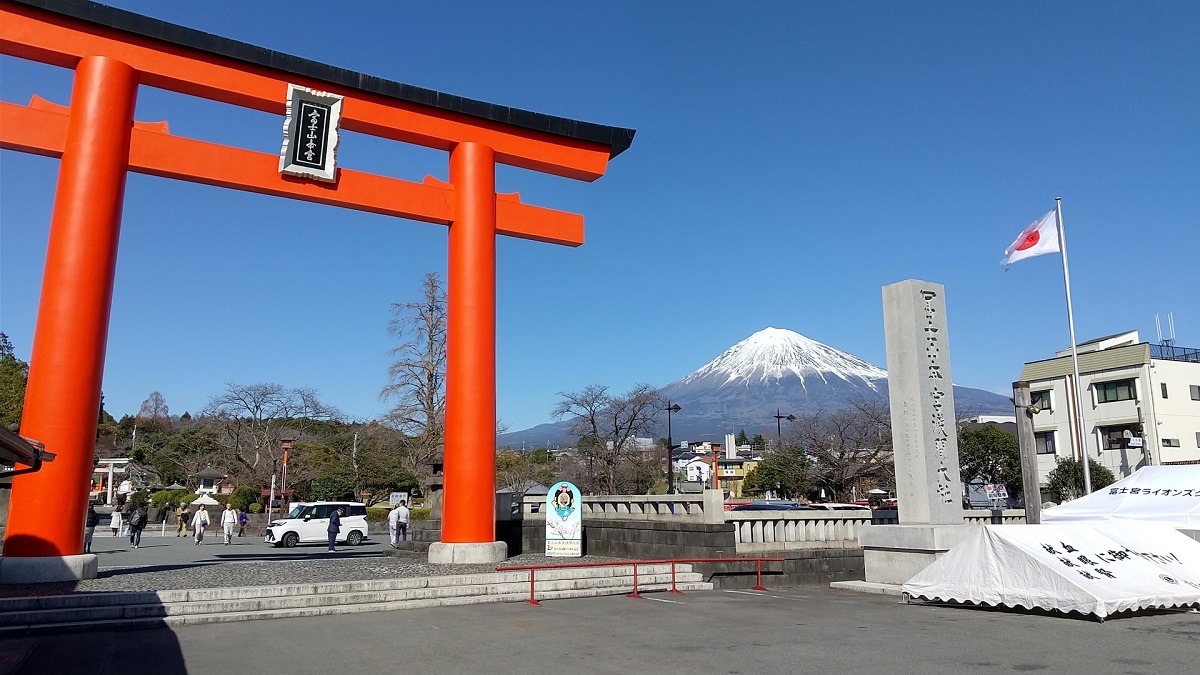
(814, 567)
(642, 539)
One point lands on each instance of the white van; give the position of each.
(308, 522)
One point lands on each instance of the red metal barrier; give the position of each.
(635, 563)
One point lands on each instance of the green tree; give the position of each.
(333, 488)
(243, 497)
(742, 438)
(1065, 482)
(758, 444)
(14, 374)
(992, 455)
(786, 471)
(106, 425)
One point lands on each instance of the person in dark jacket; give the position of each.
(137, 523)
(89, 529)
(335, 526)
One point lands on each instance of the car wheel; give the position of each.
(291, 539)
(355, 538)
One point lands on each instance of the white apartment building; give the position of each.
(1140, 404)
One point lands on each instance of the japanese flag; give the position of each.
(1039, 238)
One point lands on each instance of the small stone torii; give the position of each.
(113, 53)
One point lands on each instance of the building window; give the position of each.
(1195, 392)
(1044, 442)
(1040, 399)
(1164, 388)
(1170, 442)
(1113, 438)
(1117, 390)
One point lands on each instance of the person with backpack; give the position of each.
(137, 522)
(199, 522)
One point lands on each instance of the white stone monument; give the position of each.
(924, 438)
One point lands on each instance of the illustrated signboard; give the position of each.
(995, 491)
(564, 523)
(397, 497)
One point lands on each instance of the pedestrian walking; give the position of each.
(137, 522)
(228, 521)
(398, 523)
(89, 529)
(115, 523)
(199, 522)
(335, 526)
(243, 521)
(182, 518)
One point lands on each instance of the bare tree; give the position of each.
(418, 376)
(253, 418)
(517, 471)
(154, 409)
(607, 426)
(849, 447)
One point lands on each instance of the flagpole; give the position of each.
(1077, 425)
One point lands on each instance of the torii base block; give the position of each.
(49, 569)
(465, 554)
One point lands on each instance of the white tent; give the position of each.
(1162, 494)
(1095, 570)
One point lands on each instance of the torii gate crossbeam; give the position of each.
(113, 53)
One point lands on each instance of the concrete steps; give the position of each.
(112, 611)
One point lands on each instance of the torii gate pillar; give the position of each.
(67, 362)
(469, 511)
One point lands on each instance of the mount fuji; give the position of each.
(772, 370)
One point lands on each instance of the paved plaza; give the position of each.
(807, 630)
(169, 563)
(802, 630)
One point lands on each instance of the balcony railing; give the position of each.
(1173, 353)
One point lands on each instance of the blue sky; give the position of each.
(791, 159)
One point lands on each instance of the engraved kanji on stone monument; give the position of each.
(928, 486)
(310, 134)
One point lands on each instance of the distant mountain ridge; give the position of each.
(772, 370)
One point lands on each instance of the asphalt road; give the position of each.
(159, 550)
(809, 630)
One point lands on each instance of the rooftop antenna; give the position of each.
(1170, 341)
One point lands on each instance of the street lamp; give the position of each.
(778, 425)
(671, 408)
(287, 443)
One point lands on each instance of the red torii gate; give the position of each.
(113, 52)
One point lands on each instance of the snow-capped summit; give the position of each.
(773, 354)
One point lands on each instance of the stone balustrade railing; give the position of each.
(762, 531)
(754, 531)
(673, 508)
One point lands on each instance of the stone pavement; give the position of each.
(168, 563)
(808, 630)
